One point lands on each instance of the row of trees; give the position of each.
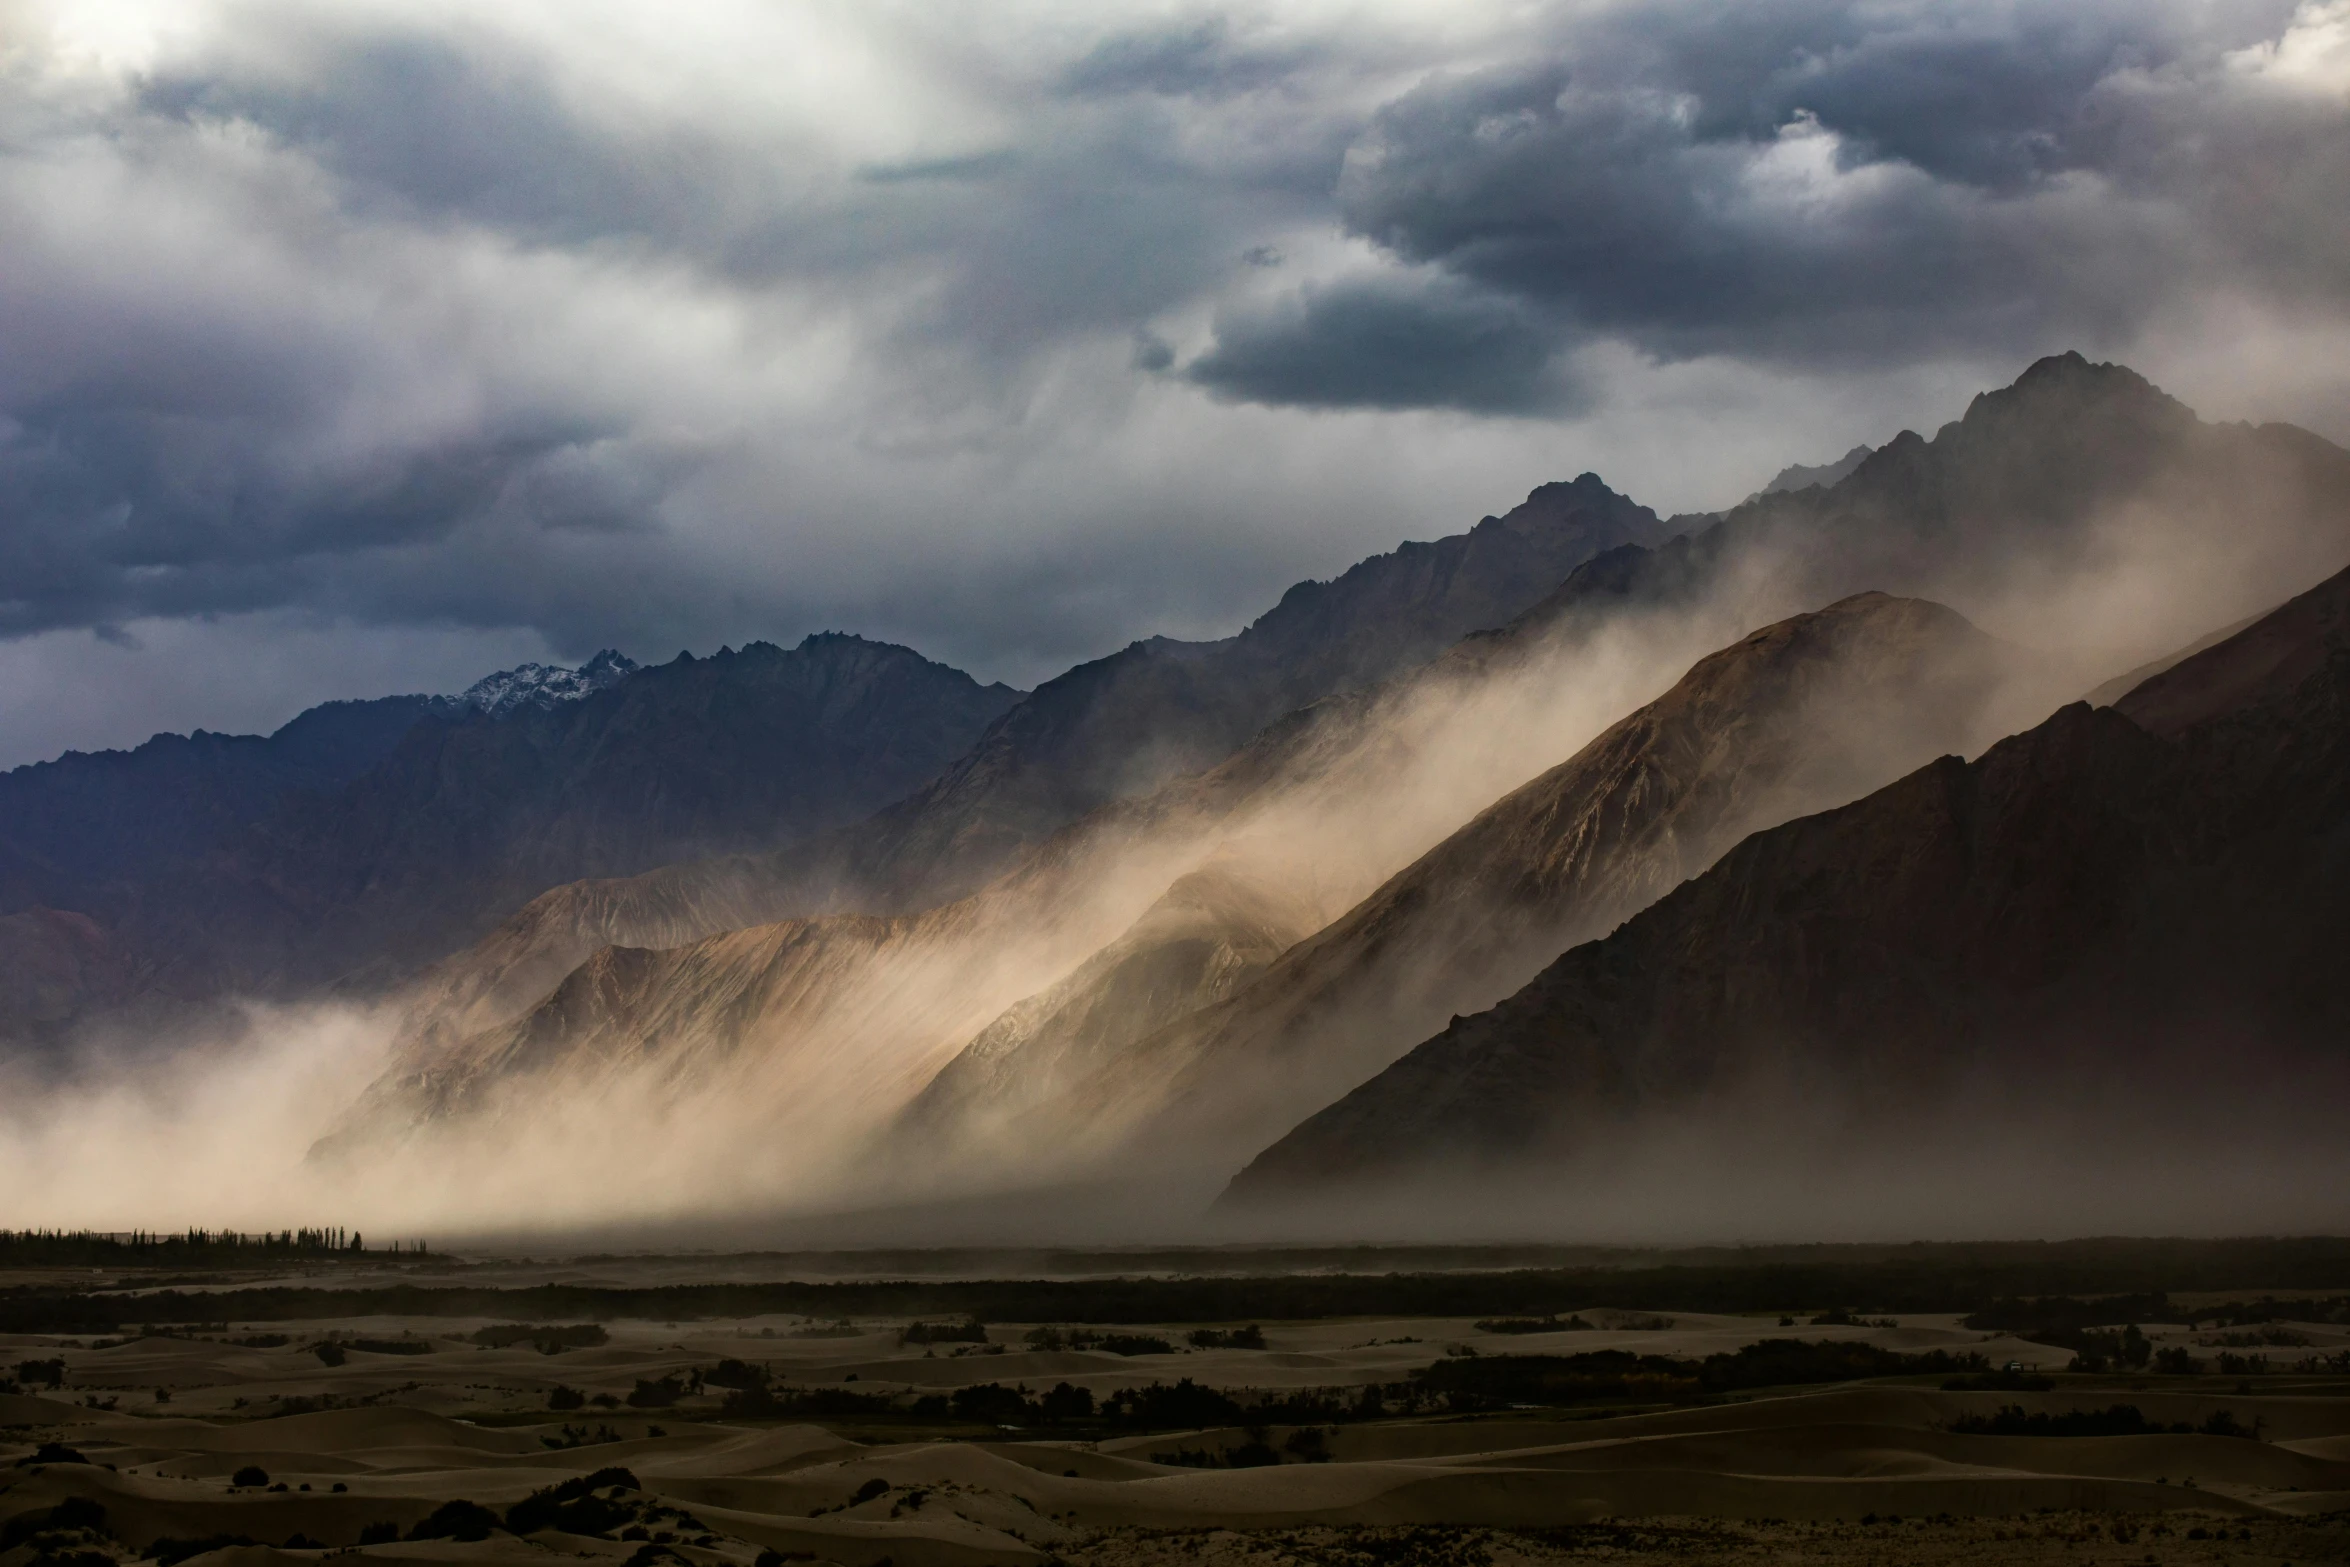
(151, 1248)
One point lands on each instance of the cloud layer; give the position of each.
(1019, 331)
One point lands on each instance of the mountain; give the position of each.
(2073, 467)
(1117, 727)
(545, 685)
(471, 815)
(1795, 476)
(2093, 915)
(2080, 501)
(1214, 932)
(1808, 712)
(816, 1030)
(1158, 709)
(80, 831)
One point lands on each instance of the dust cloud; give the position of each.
(748, 1079)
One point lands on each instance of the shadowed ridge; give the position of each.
(2256, 665)
(471, 815)
(2019, 483)
(1213, 932)
(1157, 709)
(1812, 710)
(2084, 883)
(1102, 730)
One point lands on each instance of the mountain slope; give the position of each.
(2090, 904)
(76, 831)
(470, 816)
(1329, 801)
(2073, 470)
(1118, 727)
(1211, 934)
(1158, 709)
(1809, 712)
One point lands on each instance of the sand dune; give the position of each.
(458, 1420)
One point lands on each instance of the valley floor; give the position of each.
(146, 1447)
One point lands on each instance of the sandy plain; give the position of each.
(159, 1428)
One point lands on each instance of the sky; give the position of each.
(364, 347)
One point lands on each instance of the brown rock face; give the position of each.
(1810, 711)
(2114, 888)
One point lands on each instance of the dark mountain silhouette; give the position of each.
(1798, 476)
(77, 831)
(2060, 477)
(1117, 727)
(1158, 709)
(1809, 712)
(470, 815)
(2114, 885)
(2030, 486)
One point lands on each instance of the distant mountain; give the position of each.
(822, 1027)
(1214, 932)
(2127, 907)
(79, 832)
(1116, 727)
(545, 685)
(2029, 487)
(1158, 709)
(1795, 476)
(1809, 712)
(469, 817)
(718, 993)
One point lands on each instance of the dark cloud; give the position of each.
(447, 125)
(1201, 58)
(1840, 184)
(110, 513)
(492, 326)
(1382, 344)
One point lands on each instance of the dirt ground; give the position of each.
(365, 1429)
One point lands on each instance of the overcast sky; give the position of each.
(367, 346)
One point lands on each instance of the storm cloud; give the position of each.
(1017, 332)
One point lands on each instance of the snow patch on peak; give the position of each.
(543, 685)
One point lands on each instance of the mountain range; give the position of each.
(1482, 856)
(2110, 893)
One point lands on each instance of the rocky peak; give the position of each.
(544, 685)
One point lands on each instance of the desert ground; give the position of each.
(262, 1443)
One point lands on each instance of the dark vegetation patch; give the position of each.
(1620, 1376)
(580, 1436)
(1111, 1343)
(575, 1508)
(52, 1453)
(460, 1520)
(2002, 1381)
(1970, 1277)
(188, 1248)
(169, 1550)
(547, 1340)
(74, 1522)
(968, 1332)
(1550, 1324)
(660, 1393)
(1250, 1337)
(2118, 1420)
